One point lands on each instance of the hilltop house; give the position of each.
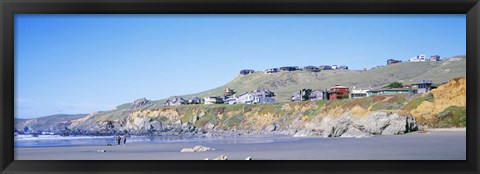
(422, 87)
(289, 68)
(393, 61)
(312, 68)
(434, 58)
(419, 58)
(213, 100)
(325, 67)
(334, 67)
(246, 71)
(336, 92)
(378, 66)
(343, 67)
(175, 101)
(194, 100)
(271, 70)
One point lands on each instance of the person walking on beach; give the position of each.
(124, 140)
(118, 140)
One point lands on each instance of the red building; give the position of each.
(337, 92)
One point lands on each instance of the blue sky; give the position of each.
(86, 63)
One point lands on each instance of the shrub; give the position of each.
(414, 103)
(394, 85)
(429, 97)
(452, 116)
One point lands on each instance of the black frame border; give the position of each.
(11, 7)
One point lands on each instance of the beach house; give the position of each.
(301, 95)
(358, 93)
(391, 91)
(422, 87)
(337, 92)
(388, 91)
(259, 96)
(213, 100)
(194, 100)
(316, 95)
(175, 101)
(229, 92)
(233, 99)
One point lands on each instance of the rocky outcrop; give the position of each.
(197, 148)
(347, 125)
(139, 103)
(221, 157)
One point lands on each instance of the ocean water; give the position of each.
(59, 141)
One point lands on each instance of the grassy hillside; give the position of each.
(284, 84)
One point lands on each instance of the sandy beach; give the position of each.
(433, 145)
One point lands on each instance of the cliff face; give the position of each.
(328, 119)
(375, 115)
(447, 108)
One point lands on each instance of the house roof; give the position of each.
(396, 89)
(338, 87)
(421, 83)
(389, 89)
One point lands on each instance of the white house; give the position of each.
(213, 100)
(434, 58)
(419, 58)
(359, 93)
(245, 98)
(263, 100)
(251, 98)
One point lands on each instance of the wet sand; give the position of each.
(433, 145)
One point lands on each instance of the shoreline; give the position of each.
(436, 145)
(447, 129)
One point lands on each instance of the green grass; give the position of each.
(393, 103)
(270, 108)
(452, 116)
(232, 121)
(414, 103)
(205, 119)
